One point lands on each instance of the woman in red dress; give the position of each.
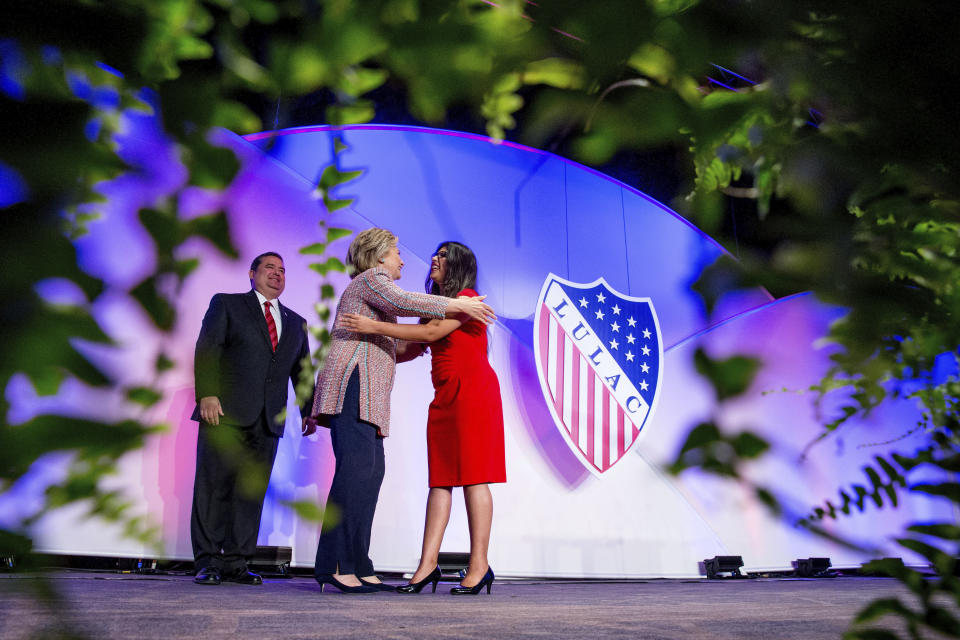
(465, 420)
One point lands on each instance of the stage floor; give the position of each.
(111, 605)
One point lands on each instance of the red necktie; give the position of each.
(271, 325)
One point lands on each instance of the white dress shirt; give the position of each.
(274, 310)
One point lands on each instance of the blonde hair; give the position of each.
(367, 249)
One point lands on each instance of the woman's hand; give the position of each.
(357, 323)
(476, 308)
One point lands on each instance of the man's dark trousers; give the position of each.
(233, 469)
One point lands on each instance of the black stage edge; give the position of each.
(275, 562)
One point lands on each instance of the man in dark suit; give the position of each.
(249, 347)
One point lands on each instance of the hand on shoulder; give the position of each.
(475, 308)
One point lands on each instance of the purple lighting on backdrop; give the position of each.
(269, 135)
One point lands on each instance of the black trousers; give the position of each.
(344, 545)
(233, 469)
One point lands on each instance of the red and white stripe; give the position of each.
(594, 422)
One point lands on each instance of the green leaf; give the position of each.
(749, 445)
(356, 81)
(597, 147)
(892, 567)
(162, 227)
(331, 264)
(163, 363)
(873, 476)
(881, 607)
(210, 167)
(707, 449)
(14, 545)
(332, 176)
(862, 494)
(158, 308)
(937, 557)
(942, 620)
(215, 228)
(949, 463)
(894, 475)
(941, 530)
(730, 376)
(300, 68)
(306, 509)
(334, 233)
(189, 48)
(316, 249)
(45, 348)
(144, 396)
(400, 11)
(561, 73)
(769, 500)
(654, 62)
(949, 490)
(703, 434)
(183, 268)
(322, 311)
(311, 511)
(334, 205)
(358, 112)
(235, 117)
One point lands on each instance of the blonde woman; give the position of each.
(352, 398)
(464, 423)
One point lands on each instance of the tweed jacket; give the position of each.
(372, 294)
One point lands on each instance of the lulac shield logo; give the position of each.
(598, 355)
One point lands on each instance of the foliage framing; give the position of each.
(846, 144)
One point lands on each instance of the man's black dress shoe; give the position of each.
(244, 577)
(207, 575)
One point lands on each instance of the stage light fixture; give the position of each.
(723, 564)
(813, 568)
(272, 562)
(453, 563)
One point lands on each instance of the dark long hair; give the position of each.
(461, 270)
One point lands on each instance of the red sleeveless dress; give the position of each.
(465, 420)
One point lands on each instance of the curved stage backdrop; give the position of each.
(593, 348)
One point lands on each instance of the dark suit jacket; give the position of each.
(234, 361)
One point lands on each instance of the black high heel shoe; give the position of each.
(487, 581)
(379, 586)
(327, 578)
(417, 587)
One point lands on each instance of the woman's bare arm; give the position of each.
(430, 332)
(379, 291)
